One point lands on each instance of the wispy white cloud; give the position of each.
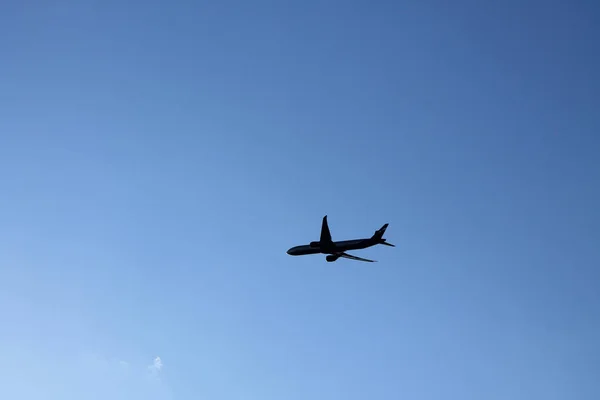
(157, 364)
(155, 368)
(119, 379)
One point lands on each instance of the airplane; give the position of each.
(335, 250)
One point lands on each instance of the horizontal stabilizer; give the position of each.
(378, 236)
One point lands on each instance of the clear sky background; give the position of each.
(157, 159)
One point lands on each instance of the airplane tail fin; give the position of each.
(378, 236)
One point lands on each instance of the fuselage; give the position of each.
(332, 248)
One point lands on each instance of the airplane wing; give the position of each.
(325, 233)
(351, 257)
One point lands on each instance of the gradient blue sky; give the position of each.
(157, 159)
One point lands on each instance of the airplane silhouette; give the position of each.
(335, 250)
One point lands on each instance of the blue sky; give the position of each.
(158, 159)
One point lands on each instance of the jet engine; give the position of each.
(314, 244)
(332, 257)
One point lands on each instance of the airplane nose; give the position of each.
(289, 251)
